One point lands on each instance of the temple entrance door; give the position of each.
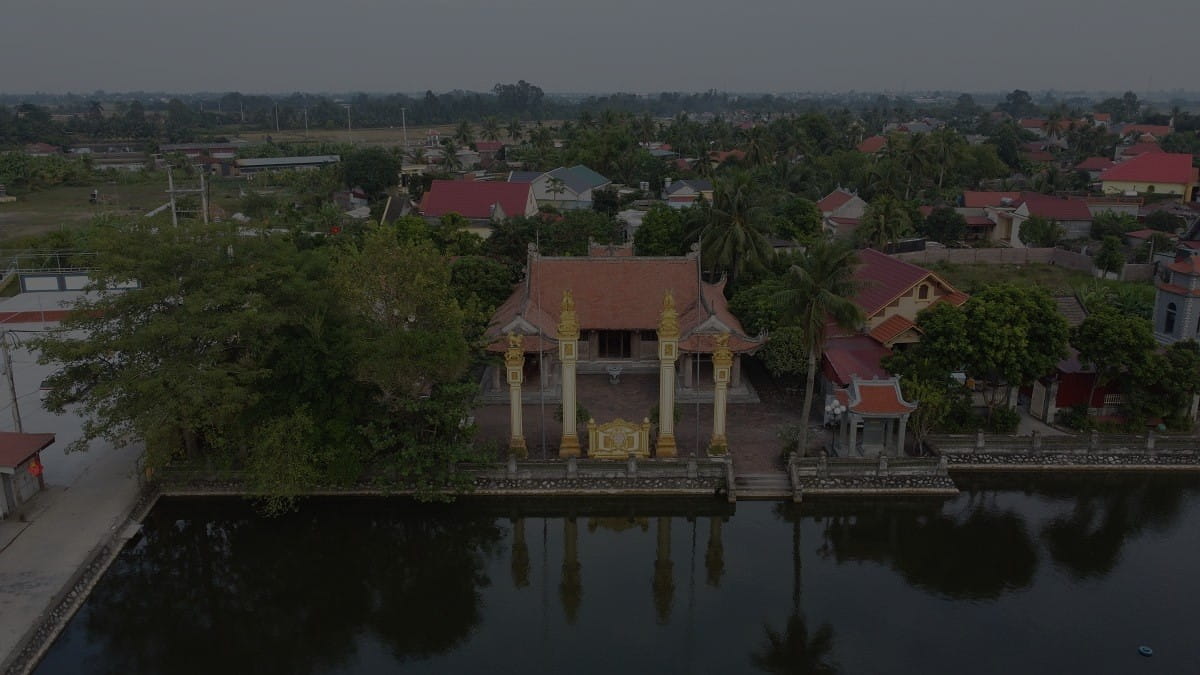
(614, 344)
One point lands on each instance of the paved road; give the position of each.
(88, 495)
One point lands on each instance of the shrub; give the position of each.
(1002, 421)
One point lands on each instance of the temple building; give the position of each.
(618, 298)
(613, 313)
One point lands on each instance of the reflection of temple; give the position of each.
(664, 569)
(571, 586)
(614, 313)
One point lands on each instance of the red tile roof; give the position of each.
(1095, 164)
(472, 199)
(1102, 117)
(892, 328)
(872, 145)
(1032, 123)
(1056, 208)
(15, 448)
(979, 199)
(979, 221)
(1176, 289)
(720, 156)
(620, 293)
(1189, 265)
(878, 397)
(1157, 130)
(1140, 149)
(856, 356)
(1162, 167)
(1147, 233)
(883, 279)
(488, 146)
(834, 200)
(1037, 156)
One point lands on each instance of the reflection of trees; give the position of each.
(1088, 541)
(794, 651)
(291, 594)
(979, 555)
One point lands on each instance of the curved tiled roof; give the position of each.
(1153, 167)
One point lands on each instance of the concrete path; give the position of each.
(88, 493)
(44, 557)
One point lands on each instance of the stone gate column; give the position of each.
(568, 354)
(722, 361)
(668, 351)
(514, 361)
(900, 441)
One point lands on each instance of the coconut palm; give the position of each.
(450, 158)
(464, 134)
(758, 146)
(556, 187)
(490, 129)
(734, 237)
(885, 221)
(818, 288)
(417, 155)
(515, 134)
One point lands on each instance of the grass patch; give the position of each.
(972, 278)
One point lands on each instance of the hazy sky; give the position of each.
(602, 45)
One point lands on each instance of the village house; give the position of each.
(872, 145)
(1072, 213)
(1094, 166)
(20, 468)
(1072, 381)
(1153, 172)
(841, 212)
(490, 152)
(481, 202)
(683, 193)
(565, 188)
(859, 393)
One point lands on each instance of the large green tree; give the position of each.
(818, 288)
(1112, 343)
(734, 238)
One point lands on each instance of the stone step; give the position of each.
(762, 486)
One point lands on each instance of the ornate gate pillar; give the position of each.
(722, 361)
(514, 361)
(668, 351)
(568, 354)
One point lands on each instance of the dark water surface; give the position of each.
(1013, 576)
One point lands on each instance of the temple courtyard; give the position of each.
(753, 429)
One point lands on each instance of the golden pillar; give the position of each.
(568, 354)
(668, 351)
(722, 361)
(514, 361)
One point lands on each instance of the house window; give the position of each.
(1169, 322)
(614, 344)
(923, 292)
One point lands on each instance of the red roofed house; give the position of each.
(842, 211)
(618, 301)
(1155, 131)
(891, 294)
(1071, 213)
(1094, 166)
(481, 202)
(489, 152)
(1072, 382)
(873, 144)
(20, 468)
(1156, 172)
(978, 199)
(1125, 152)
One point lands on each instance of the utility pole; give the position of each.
(277, 118)
(12, 386)
(404, 127)
(306, 122)
(349, 130)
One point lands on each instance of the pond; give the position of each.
(1045, 575)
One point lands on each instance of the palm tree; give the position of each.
(556, 187)
(758, 146)
(490, 129)
(541, 137)
(734, 238)
(945, 149)
(885, 221)
(463, 133)
(417, 155)
(515, 134)
(819, 287)
(450, 158)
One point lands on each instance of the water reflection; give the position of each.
(446, 588)
(292, 596)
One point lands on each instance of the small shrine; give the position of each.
(870, 418)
